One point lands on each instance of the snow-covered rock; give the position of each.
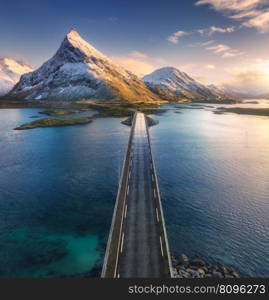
(177, 83)
(10, 73)
(79, 71)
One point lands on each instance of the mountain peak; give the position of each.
(73, 32)
(15, 66)
(74, 36)
(79, 71)
(73, 40)
(10, 73)
(166, 73)
(174, 81)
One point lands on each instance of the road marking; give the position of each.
(157, 214)
(122, 241)
(154, 193)
(161, 245)
(125, 211)
(128, 190)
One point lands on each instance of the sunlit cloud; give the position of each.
(174, 38)
(252, 77)
(138, 54)
(225, 51)
(251, 13)
(139, 62)
(231, 4)
(260, 21)
(210, 67)
(214, 29)
(207, 43)
(219, 48)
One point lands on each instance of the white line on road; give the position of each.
(157, 214)
(161, 245)
(122, 241)
(125, 213)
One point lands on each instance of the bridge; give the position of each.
(137, 245)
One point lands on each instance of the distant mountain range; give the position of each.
(79, 71)
(10, 73)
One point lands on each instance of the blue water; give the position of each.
(57, 194)
(214, 181)
(58, 188)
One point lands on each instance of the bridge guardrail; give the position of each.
(113, 244)
(165, 244)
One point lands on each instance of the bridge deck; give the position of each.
(140, 241)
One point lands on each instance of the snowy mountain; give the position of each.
(178, 84)
(217, 89)
(79, 71)
(10, 73)
(227, 91)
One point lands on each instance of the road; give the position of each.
(141, 249)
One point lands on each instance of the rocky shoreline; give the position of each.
(185, 267)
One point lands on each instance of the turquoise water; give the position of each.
(58, 188)
(57, 194)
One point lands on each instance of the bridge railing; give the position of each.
(164, 240)
(114, 239)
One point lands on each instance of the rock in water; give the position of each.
(79, 71)
(183, 260)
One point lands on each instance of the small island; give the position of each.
(54, 122)
(243, 111)
(51, 112)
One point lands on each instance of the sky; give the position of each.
(214, 41)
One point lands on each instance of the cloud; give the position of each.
(231, 4)
(210, 67)
(201, 31)
(138, 54)
(260, 21)
(138, 62)
(251, 13)
(213, 29)
(225, 51)
(207, 43)
(219, 48)
(174, 38)
(139, 67)
(252, 77)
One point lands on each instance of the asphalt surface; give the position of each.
(141, 252)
